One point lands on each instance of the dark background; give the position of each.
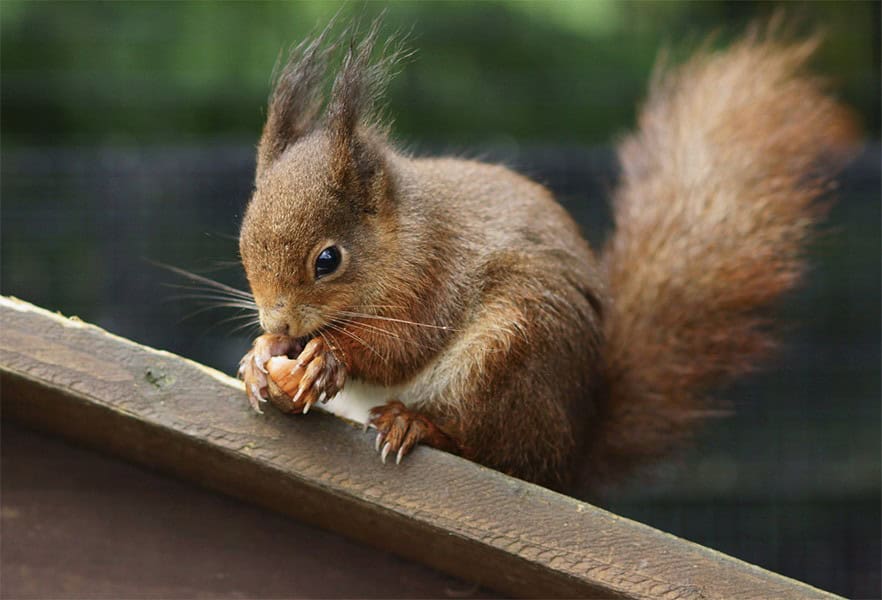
(128, 132)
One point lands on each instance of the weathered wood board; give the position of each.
(166, 412)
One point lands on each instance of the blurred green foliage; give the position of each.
(567, 72)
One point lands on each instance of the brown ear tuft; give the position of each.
(352, 119)
(296, 98)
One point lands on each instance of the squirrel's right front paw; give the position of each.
(252, 367)
(316, 375)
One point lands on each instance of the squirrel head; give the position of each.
(321, 217)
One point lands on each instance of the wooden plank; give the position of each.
(79, 524)
(164, 411)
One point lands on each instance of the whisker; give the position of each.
(216, 295)
(255, 323)
(250, 316)
(356, 338)
(381, 331)
(228, 320)
(216, 301)
(367, 327)
(394, 320)
(220, 265)
(204, 280)
(211, 296)
(221, 235)
(245, 325)
(361, 340)
(326, 335)
(253, 318)
(205, 289)
(210, 291)
(203, 309)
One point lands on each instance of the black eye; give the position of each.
(327, 261)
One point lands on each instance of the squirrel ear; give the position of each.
(357, 169)
(356, 139)
(296, 98)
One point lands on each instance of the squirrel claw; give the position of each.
(400, 429)
(254, 398)
(292, 385)
(252, 369)
(299, 393)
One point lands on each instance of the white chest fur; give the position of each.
(357, 398)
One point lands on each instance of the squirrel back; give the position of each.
(718, 197)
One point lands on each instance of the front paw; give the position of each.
(316, 375)
(400, 429)
(252, 367)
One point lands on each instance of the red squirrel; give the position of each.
(454, 303)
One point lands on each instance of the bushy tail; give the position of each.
(719, 193)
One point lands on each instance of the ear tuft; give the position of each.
(353, 106)
(352, 118)
(297, 96)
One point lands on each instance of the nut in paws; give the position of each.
(316, 375)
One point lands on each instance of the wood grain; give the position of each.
(80, 525)
(164, 411)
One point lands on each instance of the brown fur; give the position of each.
(717, 200)
(515, 342)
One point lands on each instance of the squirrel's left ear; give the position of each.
(356, 138)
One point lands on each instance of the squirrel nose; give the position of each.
(273, 320)
(277, 327)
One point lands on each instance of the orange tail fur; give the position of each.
(719, 194)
